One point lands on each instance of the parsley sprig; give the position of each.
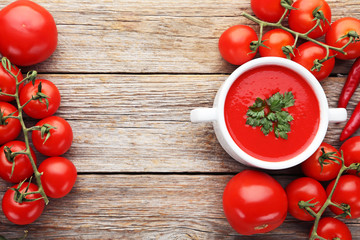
(270, 116)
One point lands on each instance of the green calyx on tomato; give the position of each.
(270, 116)
(327, 158)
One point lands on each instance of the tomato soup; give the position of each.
(263, 82)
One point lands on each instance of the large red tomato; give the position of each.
(28, 33)
(301, 19)
(22, 165)
(58, 176)
(268, 10)
(347, 192)
(11, 127)
(8, 82)
(351, 152)
(42, 107)
(307, 53)
(25, 212)
(254, 202)
(337, 36)
(235, 44)
(308, 190)
(322, 165)
(275, 41)
(333, 228)
(59, 140)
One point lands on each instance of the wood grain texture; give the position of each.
(150, 36)
(147, 207)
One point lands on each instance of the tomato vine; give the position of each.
(30, 77)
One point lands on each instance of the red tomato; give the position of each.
(322, 166)
(23, 168)
(11, 127)
(37, 108)
(25, 212)
(347, 191)
(29, 33)
(267, 10)
(340, 28)
(305, 189)
(351, 152)
(8, 82)
(332, 228)
(254, 202)
(59, 176)
(275, 40)
(235, 43)
(302, 19)
(60, 138)
(307, 53)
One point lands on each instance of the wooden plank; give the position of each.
(147, 207)
(140, 123)
(150, 36)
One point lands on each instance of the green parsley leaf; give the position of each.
(277, 119)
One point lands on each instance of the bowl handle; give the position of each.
(337, 115)
(203, 115)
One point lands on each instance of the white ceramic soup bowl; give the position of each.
(217, 117)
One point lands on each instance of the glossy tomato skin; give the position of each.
(59, 176)
(301, 19)
(322, 172)
(234, 44)
(36, 108)
(29, 33)
(307, 53)
(60, 138)
(347, 191)
(267, 10)
(274, 40)
(12, 127)
(351, 152)
(340, 28)
(305, 189)
(254, 202)
(333, 228)
(25, 212)
(8, 82)
(23, 168)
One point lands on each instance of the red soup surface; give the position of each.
(264, 82)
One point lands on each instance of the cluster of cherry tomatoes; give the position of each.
(307, 19)
(254, 202)
(29, 36)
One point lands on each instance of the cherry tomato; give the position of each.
(275, 40)
(59, 176)
(254, 202)
(60, 138)
(341, 28)
(333, 228)
(302, 19)
(351, 152)
(308, 190)
(347, 191)
(11, 127)
(8, 82)
(235, 43)
(267, 10)
(25, 212)
(38, 108)
(22, 169)
(322, 165)
(29, 33)
(307, 53)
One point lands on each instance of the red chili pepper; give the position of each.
(352, 125)
(351, 84)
